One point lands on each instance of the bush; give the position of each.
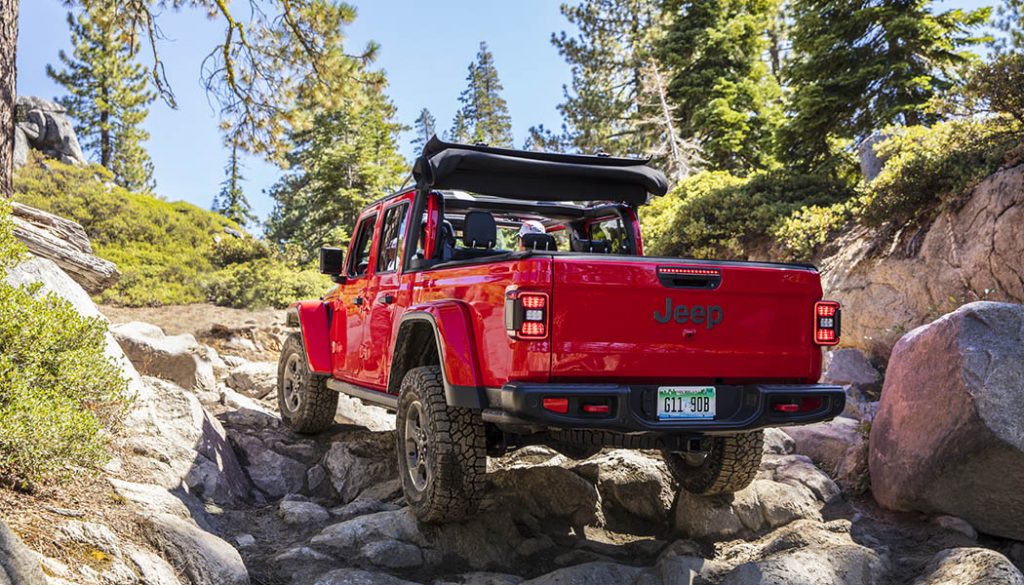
(803, 233)
(719, 216)
(166, 251)
(927, 168)
(60, 395)
(264, 283)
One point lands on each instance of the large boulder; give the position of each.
(949, 436)
(631, 482)
(360, 462)
(970, 566)
(48, 129)
(839, 447)
(177, 358)
(253, 379)
(970, 252)
(18, 564)
(65, 242)
(202, 557)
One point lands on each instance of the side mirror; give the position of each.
(332, 263)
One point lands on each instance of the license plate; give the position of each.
(686, 402)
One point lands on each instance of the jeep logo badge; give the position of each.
(711, 315)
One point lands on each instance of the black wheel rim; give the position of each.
(416, 446)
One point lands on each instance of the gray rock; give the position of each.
(799, 471)
(152, 570)
(177, 358)
(359, 577)
(91, 534)
(954, 524)
(392, 554)
(633, 482)
(51, 131)
(372, 417)
(18, 564)
(970, 566)
(274, 474)
(949, 436)
(849, 367)
(763, 505)
(21, 147)
(483, 578)
(594, 573)
(839, 447)
(391, 525)
(245, 540)
(302, 513)
(253, 379)
(361, 507)
(202, 557)
(361, 461)
(777, 442)
(548, 492)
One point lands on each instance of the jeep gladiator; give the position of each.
(504, 300)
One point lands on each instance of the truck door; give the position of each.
(384, 294)
(347, 343)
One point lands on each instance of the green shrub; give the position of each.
(720, 216)
(264, 283)
(926, 168)
(60, 395)
(803, 233)
(168, 253)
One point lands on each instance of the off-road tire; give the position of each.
(306, 404)
(452, 474)
(731, 464)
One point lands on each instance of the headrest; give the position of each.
(479, 230)
(592, 246)
(535, 241)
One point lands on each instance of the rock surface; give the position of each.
(202, 557)
(975, 252)
(970, 566)
(177, 358)
(46, 128)
(253, 379)
(949, 436)
(64, 242)
(18, 565)
(839, 447)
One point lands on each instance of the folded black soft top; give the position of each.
(536, 176)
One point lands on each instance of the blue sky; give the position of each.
(425, 50)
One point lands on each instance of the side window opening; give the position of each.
(392, 238)
(612, 230)
(359, 263)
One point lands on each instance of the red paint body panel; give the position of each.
(313, 318)
(604, 327)
(602, 315)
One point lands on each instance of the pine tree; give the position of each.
(231, 201)
(602, 107)
(859, 66)
(543, 139)
(719, 55)
(109, 99)
(348, 157)
(423, 129)
(483, 117)
(1011, 22)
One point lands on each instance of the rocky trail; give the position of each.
(211, 488)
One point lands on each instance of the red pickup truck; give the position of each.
(504, 300)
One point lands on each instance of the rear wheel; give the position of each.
(442, 450)
(730, 464)
(307, 405)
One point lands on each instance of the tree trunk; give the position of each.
(8, 79)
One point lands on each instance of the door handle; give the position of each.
(358, 301)
(387, 299)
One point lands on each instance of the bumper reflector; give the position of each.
(559, 405)
(596, 408)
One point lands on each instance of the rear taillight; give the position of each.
(526, 314)
(827, 321)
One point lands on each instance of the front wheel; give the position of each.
(442, 450)
(307, 405)
(730, 464)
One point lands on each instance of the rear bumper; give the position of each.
(633, 408)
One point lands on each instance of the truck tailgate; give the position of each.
(618, 317)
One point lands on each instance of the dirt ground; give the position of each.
(200, 317)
